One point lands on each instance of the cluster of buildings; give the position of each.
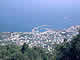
(45, 39)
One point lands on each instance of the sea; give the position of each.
(23, 15)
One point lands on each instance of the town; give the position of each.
(45, 39)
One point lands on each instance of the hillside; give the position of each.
(44, 39)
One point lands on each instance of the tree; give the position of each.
(69, 50)
(24, 48)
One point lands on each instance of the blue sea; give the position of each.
(22, 15)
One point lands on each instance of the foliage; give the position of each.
(63, 51)
(14, 52)
(68, 50)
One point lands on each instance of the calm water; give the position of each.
(22, 15)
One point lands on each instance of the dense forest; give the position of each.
(63, 51)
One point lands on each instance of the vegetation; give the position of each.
(68, 50)
(63, 51)
(14, 52)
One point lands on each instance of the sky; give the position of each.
(22, 15)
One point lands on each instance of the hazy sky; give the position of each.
(21, 15)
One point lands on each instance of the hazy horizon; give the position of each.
(21, 15)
